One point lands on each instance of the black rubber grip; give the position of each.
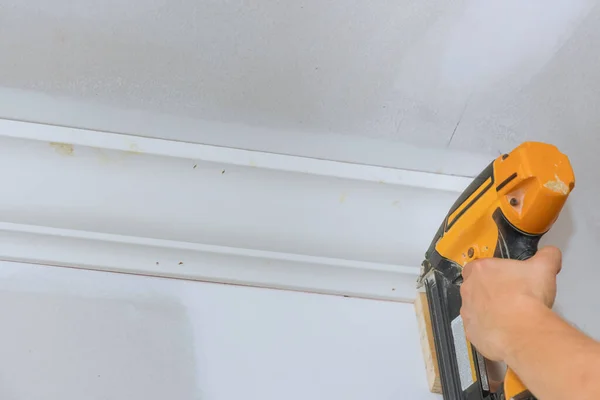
(513, 243)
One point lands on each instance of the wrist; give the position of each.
(528, 315)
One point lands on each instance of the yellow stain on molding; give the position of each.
(64, 149)
(134, 149)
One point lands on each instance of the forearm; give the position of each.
(553, 359)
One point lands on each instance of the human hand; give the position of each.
(495, 290)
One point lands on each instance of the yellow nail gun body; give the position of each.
(503, 213)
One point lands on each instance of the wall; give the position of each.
(71, 334)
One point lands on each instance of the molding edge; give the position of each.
(208, 263)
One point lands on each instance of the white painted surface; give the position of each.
(162, 208)
(63, 137)
(150, 196)
(73, 334)
(308, 66)
(28, 105)
(417, 72)
(208, 263)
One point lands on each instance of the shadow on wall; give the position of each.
(561, 234)
(70, 347)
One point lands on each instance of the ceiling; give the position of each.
(465, 74)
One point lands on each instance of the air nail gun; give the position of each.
(503, 213)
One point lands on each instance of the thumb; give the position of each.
(549, 257)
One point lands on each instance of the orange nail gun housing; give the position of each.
(503, 213)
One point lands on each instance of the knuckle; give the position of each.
(478, 265)
(466, 270)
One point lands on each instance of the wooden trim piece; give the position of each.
(427, 345)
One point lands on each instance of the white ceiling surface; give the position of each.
(404, 70)
(311, 65)
(360, 81)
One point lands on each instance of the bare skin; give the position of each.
(507, 315)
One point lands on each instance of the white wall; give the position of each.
(72, 334)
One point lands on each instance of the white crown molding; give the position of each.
(225, 155)
(111, 202)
